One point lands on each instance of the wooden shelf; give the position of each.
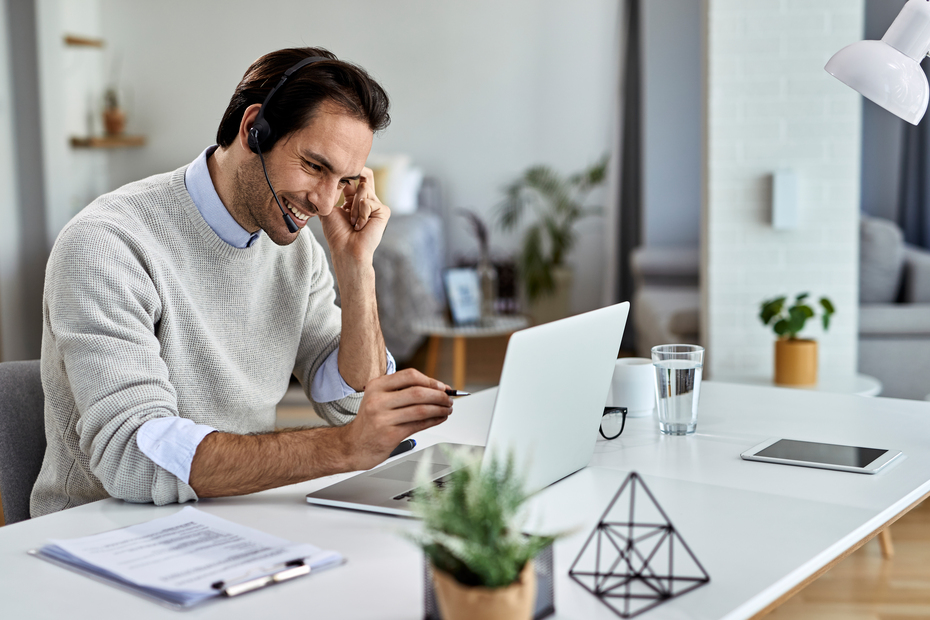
(80, 41)
(107, 142)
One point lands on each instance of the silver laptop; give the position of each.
(547, 411)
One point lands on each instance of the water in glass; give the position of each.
(678, 390)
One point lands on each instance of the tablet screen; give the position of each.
(850, 456)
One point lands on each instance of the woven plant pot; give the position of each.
(795, 362)
(558, 303)
(461, 602)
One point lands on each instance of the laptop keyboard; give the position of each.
(440, 483)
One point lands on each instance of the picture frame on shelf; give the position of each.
(463, 292)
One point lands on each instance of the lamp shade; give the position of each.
(888, 71)
(884, 75)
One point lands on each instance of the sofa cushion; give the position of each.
(894, 320)
(916, 275)
(665, 315)
(881, 259)
(666, 266)
(686, 321)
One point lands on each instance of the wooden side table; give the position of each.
(438, 327)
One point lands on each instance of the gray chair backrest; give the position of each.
(22, 435)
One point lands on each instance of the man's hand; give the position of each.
(393, 408)
(353, 231)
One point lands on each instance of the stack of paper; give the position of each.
(188, 557)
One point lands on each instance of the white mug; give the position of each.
(633, 386)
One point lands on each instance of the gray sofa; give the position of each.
(408, 264)
(667, 297)
(894, 310)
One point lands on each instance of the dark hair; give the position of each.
(294, 105)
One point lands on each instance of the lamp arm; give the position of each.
(909, 33)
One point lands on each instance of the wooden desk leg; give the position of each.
(432, 356)
(458, 363)
(884, 540)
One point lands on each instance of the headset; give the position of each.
(262, 133)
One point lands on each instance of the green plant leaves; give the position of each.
(559, 204)
(535, 265)
(472, 527)
(771, 309)
(790, 321)
(797, 317)
(828, 311)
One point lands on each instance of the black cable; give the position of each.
(291, 226)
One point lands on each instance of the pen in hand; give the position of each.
(409, 444)
(405, 446)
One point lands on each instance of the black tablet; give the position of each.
(856, 459)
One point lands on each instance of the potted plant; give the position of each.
(114, 118)
(482, 561)
(795, 358)
(559, 203)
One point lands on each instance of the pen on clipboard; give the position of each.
(290, 570)
(457, 393)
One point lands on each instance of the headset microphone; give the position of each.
(262, 133)
(291, 226)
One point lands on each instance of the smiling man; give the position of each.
(178, 307)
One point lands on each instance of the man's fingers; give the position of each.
(414, 413)
(401, 379)
(359, 192)
(367, 177)
(416, 395)
(421, 425)
(361, 211)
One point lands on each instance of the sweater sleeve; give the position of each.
(320, 337)
(103, 311)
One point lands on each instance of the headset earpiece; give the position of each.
(262, 137)
(259, 135)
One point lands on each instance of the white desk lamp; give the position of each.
(888, 71)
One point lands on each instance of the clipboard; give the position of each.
(187, 580)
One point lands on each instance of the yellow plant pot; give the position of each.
(795, 362)
(460, 602)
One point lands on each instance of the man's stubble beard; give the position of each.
(252, 195)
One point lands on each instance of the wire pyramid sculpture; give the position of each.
(639, 559)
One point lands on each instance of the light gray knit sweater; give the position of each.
(148, 313)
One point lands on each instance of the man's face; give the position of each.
(309, 170)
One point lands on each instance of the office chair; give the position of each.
(22, 435)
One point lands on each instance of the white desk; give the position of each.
(798, 520)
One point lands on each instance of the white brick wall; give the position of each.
(770, 105)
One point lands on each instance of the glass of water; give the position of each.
(678, 386)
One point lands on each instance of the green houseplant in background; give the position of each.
(795, 358)
(482, 562)
(558, 203)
